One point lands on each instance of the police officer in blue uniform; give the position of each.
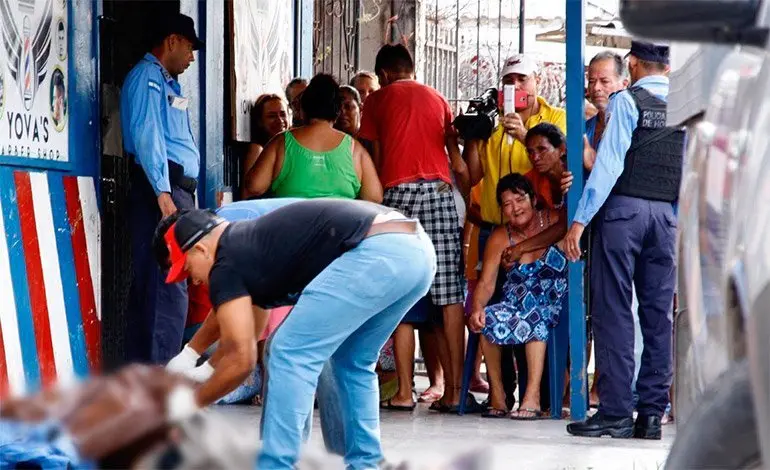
(165, 161)
(629, 198)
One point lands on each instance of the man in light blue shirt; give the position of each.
(164, 169)
(629, 199)
(607, 75)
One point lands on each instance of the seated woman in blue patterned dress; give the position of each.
(532, 295)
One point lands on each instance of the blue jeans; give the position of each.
(327, 394)
(344, 316)
(332, 425)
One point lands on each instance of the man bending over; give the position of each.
(351, 268)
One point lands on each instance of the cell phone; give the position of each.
(521, 100)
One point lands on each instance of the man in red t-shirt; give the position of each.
(410, 126)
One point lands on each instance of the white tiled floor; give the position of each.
(428, 441)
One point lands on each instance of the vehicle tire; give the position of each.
(721, 432)
(686, 390)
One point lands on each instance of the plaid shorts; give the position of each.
(433, 204)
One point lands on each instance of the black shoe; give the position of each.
(647, 427)
(600, 425)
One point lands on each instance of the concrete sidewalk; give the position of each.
(428, 439)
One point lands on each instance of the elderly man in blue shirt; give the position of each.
(629, 198)
(607, 75)
(165, 162)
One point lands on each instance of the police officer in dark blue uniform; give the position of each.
(165, 164)
(630, 198)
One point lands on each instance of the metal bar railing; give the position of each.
(522, 18)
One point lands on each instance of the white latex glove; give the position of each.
(181, 404)
(199, 374)
(183, 361)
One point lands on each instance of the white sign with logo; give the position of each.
(263, 56)
(33, 79)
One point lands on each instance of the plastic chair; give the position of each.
(556, 355)
(470, 359)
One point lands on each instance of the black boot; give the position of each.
(600, 425)
(647, 427)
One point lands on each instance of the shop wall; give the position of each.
(49, 215)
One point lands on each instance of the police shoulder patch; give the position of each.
(154, 85)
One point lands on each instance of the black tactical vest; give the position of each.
(653, 164)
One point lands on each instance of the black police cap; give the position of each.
(180, 24)
(649, 52)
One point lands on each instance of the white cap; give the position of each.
(519, 64)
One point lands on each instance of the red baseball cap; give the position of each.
(188, 230)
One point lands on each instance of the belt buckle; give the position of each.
(443, 187)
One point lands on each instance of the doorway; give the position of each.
(124, 39)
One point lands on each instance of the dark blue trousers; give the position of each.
(157, 311)
(634, 242)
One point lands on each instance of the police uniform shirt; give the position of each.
(156, 124)
(622, 117)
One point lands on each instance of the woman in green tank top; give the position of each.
(316, 160)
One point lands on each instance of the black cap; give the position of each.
(188, 230)
(649, 52)
(180, 24)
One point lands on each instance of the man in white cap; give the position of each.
(505, 152)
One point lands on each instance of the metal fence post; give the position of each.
(575, 129)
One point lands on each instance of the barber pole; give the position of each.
(49, 280)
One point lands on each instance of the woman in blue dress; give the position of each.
(532, 294)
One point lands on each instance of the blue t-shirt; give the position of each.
(253, 209)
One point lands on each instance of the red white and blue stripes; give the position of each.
(49, 280)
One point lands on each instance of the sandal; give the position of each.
(430, 397)
(471, 406)
(534, 414)
(388, 405)
(494, 413)
(439, 407)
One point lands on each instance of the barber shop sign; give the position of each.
(33, 79)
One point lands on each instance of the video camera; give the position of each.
(478, 122)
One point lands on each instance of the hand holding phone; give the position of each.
(514, 101)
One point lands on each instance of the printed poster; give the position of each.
(263, 56)
(34, 110)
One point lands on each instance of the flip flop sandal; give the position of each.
(438, 407)
(430, 397)
(388, 405)
(536, 414)
(494, 413)
(471, 406)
